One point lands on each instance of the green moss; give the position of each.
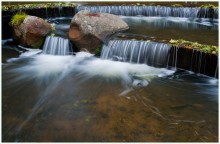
(38, 43)
(18, 18)
(176, 5)
(37, 5)
(208, 6)
(194, 45)
(97, 51)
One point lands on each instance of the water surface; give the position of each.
(201, 30)
(204, 31)
(81, 98)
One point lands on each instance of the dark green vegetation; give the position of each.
(24, 5)
(97, 51)
(194, 45)
(18, 18)
(36, 5)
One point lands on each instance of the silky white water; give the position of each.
(41, 66)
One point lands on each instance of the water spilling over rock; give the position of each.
(194, 60)
(57, 46)
(162, 11)
(133, 51)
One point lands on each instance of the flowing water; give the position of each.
(83, 98)
(133, 51)
(160, 11)
(57, 46)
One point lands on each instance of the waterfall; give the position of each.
(215, 13)
(208, 13)
(193, 60)
(162, 11)
(57, 46)
(134, 51)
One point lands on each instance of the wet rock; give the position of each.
(31, 32)
(89, 30)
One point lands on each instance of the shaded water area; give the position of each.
(82, 98)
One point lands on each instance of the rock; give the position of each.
(88, 30)
(32, 31)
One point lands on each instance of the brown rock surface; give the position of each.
(88, 30)
(32, 31)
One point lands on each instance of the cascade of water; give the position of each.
(133, 51)
(208, 13)
(57, 46)
(215, 13)
(60, 10)
(216, 71)
(176, 54)
(191, 64)
(200, 61)
(46, 13)
(162, 11)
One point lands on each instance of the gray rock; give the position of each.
(88, 30)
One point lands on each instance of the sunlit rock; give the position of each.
(88, 30)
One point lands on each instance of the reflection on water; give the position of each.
(79, 98)
(204, 31)
(201, 30)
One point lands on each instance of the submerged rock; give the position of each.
(32, 31)
(88, 30)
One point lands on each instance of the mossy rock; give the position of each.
(194, 45)
(30, 31)
(18, 18)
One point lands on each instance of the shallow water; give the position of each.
(204, 31)
(81, 98)
(201, 30)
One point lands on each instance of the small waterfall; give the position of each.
(133, 51)
(57, 46)
(208, 13)
(216, 71)
(162, 11)
(46, 13)
(215, 13)
(193, 60)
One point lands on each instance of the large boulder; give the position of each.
(88, 30)
(32, 31)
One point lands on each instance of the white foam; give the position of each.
(43, 66)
